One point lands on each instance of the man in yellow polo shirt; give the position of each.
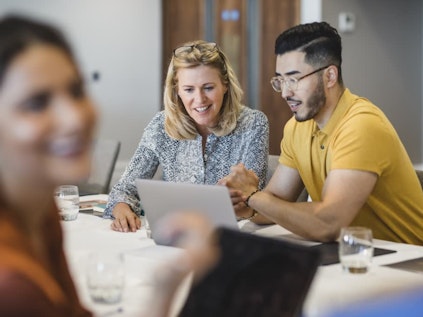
(339, 146)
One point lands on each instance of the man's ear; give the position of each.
(331, 75)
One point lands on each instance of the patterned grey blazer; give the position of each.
(183, 161)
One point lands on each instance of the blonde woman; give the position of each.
(203, 131)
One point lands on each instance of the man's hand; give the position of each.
(125, 219)
(242, 180)
(238, 202)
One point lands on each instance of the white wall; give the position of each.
(119, 39)
(383, 61)
(311, 11)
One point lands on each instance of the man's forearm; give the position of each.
(299, 218)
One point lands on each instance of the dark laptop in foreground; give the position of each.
(256, 276)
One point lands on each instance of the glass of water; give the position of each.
(356, 249)
(147, 227)
(67, 200)
(105, 277)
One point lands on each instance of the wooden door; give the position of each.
(231, 35)
(276, 16)
(183, 21)
(236, 25)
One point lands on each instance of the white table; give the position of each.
(142, 260)
(331, 288)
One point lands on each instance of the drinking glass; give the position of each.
(105, 276)
(67, 199)
(147, 227)
(355, 249)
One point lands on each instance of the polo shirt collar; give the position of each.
(341, 108)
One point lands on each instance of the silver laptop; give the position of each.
(159, 198)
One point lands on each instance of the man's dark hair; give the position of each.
(319, 41)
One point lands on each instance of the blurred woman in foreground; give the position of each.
(46, 129)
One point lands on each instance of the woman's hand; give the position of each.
(125, 219)
(194, 233)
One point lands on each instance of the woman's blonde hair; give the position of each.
(178, 124)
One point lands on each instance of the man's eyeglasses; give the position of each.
(208, 46)
(290, 82)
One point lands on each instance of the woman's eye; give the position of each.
(188, 90)
(208, 88)
(37, 103)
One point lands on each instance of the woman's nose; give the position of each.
(71, 113)
(199, 96)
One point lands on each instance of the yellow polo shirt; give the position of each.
(359, 136)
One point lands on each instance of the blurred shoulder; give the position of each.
(155, 127)
(157, 120)
(17, 289)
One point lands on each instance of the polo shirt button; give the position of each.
(322, 147)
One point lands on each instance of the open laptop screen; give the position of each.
(159, 198)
